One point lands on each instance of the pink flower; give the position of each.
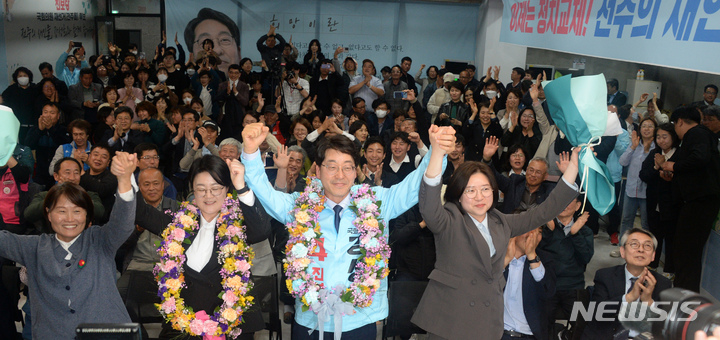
(243, 266)
(169, 305)
(178, 234)
(230, 298)
(232, 231)
(202, 316)
(214, 337)
(196, 326)
(210, 327)
(168, 266)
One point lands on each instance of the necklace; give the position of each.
(235, 257)
(305, 240)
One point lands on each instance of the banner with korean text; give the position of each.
(676, 33)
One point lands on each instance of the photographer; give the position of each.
(294, 89)
(271, 47)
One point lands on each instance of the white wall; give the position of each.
(30, 37)
(490, 50)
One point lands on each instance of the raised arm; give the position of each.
(559, 198)
(121, 223)
(442, 140)
(276, 203)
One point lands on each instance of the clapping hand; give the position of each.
(579, 223)
(635, 139)
(491, 147)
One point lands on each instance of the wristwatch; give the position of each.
(243, 190)
(535, 260)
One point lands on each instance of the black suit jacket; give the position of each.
(619, 100)
(135, 137)
(536, 293)
(697, 166)
(514, 187)
(204, 287)
(610, 286)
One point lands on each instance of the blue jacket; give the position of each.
(69, 77)
(69, 148)
(340, 248)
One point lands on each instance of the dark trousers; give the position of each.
(564, 300)
(367, 332)
(614, 216)
(693, 229)
(664, 231)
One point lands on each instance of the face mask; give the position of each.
(23, 81)
(491, 94)
(187, 101)
(162, 78)
(133, 52)
(381, 113)
(190, 71)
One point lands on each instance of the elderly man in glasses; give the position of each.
(627, 283)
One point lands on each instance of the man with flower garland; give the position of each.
(338, 240)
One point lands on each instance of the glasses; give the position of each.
(517, 155)
(333, 169)
(528, 116)
(531, 171)
(647, 126)
(710, 92)
(473, 192)
(149, 157)
(647, 246)
(214, 191)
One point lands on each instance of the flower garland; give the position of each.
(235, 257)
(305, 233)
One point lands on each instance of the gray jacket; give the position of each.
(64, 294)
(464, 298)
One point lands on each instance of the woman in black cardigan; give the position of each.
(208, 174)
(662, 210)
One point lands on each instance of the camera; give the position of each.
(290, 76)
(682, 313)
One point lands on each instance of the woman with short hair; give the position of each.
(71, 272)
(464, 298)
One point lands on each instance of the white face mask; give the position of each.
(134, 52)
(381, 113)
(187, 101)
(162, 77)
(491, 94)
(23, 81)
(190, 71)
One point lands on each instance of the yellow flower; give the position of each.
(234, 282)
(229, 248)
(174, 249)
(229, 314)
(288, 282)
(302, 217)
(370, 261)
(186, 221)
(173, 285)
(229, 265)
(372, 223)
